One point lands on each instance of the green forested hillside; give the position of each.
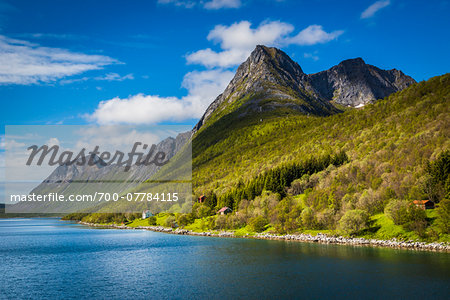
(388, 144)
(396, 151)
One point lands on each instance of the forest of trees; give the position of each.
(276, 180)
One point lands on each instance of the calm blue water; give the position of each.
(48, 258)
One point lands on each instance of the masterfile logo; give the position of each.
(94, 157)
(117, 169)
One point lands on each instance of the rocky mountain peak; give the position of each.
(265, 67)
(269, 75)
(353, 62)
(270, 79)
(273, 57)
(354, 83)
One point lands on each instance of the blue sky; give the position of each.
(163, 62)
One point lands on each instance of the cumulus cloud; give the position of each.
(236, 42)
(212, 4)
(371, 10)
(25, 63)
(224, 59)
(202, 88)
(242, 36)
(314, 34)
(239, 39)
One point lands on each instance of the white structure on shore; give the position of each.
(146, 214)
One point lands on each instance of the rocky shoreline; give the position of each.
(319, 238)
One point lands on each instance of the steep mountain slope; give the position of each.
(389, 145)
(395, 136)
(270, 81)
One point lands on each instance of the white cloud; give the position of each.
(114, 77)
(106, 77)
(113, 137)
(41, 35)
(22, 62)
(218, 4)
(13, 144)
(202, 88)
(224, 59)
(212, 4)
(2, 171)
(239, 39)
(371, 10)
(314, 34)
(69, 81)
(236, 42)
(2, 142)
(182, 3)
(313, 56)
(53, 142)
(241, 36)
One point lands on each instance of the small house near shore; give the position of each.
(424, 204)
(224, 210)
(146, 214)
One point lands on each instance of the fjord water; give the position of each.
(53, 259)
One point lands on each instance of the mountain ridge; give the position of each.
(269, 79)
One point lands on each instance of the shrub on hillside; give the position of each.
(397, 211)
(308, 218)
(370, 201)
(438, 184)
(416, 220)
(236, 221)
(221, 222)
(258, 224)
(201, 210)
(443, 216)
(170, 221)
(184, 219)
(405, 213)
(151, 221)
(354, 221)
(326, 219)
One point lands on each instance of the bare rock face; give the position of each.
(355, 83)
(270, 79)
